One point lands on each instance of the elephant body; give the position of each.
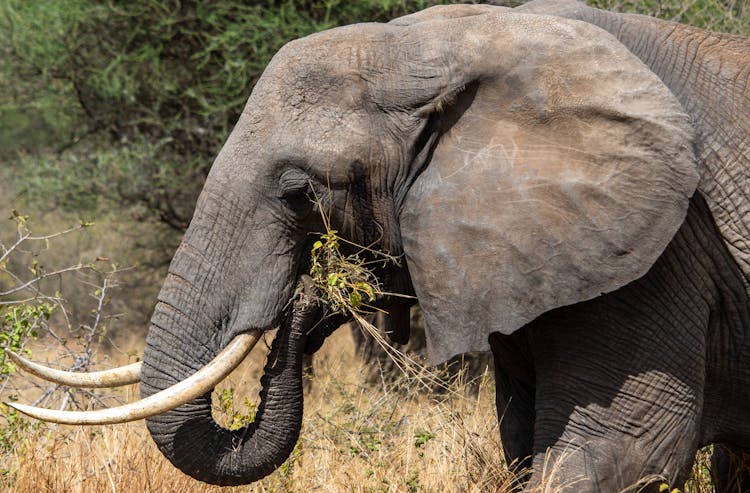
(557, 193)
(709, 73)
(636, 400)
(566, 187)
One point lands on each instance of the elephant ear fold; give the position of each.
(562, 172)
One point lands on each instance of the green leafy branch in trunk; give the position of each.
(345, 281)
(348, 285)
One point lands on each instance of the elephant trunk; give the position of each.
(190, 438)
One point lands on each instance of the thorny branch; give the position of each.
(29, 310)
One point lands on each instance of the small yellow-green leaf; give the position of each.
(363, 286)
(333, 279)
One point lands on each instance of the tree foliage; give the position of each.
(139, 95)
(126, 102)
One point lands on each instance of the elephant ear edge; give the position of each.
(563, 170)
(441, 12)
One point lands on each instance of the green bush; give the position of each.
(139, 95)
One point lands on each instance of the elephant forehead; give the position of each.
(323, 139)
(315, 68)
(327, 140)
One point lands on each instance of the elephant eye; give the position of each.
(297, 199)
(294, 192)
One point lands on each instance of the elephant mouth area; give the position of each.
(319, 332)
(314, 315)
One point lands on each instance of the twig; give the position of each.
(25, 285)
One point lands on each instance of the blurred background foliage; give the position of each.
(115, 109)
(728, 16)
(133, 99)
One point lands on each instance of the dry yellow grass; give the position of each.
(355, 438)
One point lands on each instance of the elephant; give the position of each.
(565, 187)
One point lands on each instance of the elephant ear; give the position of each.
(563, 169)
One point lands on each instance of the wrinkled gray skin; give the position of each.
(520, 166)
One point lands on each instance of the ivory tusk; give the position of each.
(185, 391)
(115, 377)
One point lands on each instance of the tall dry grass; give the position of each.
(355, 438)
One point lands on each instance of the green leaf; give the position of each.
(355, 299)
(333, 278)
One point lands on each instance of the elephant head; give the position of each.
(515, 163)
